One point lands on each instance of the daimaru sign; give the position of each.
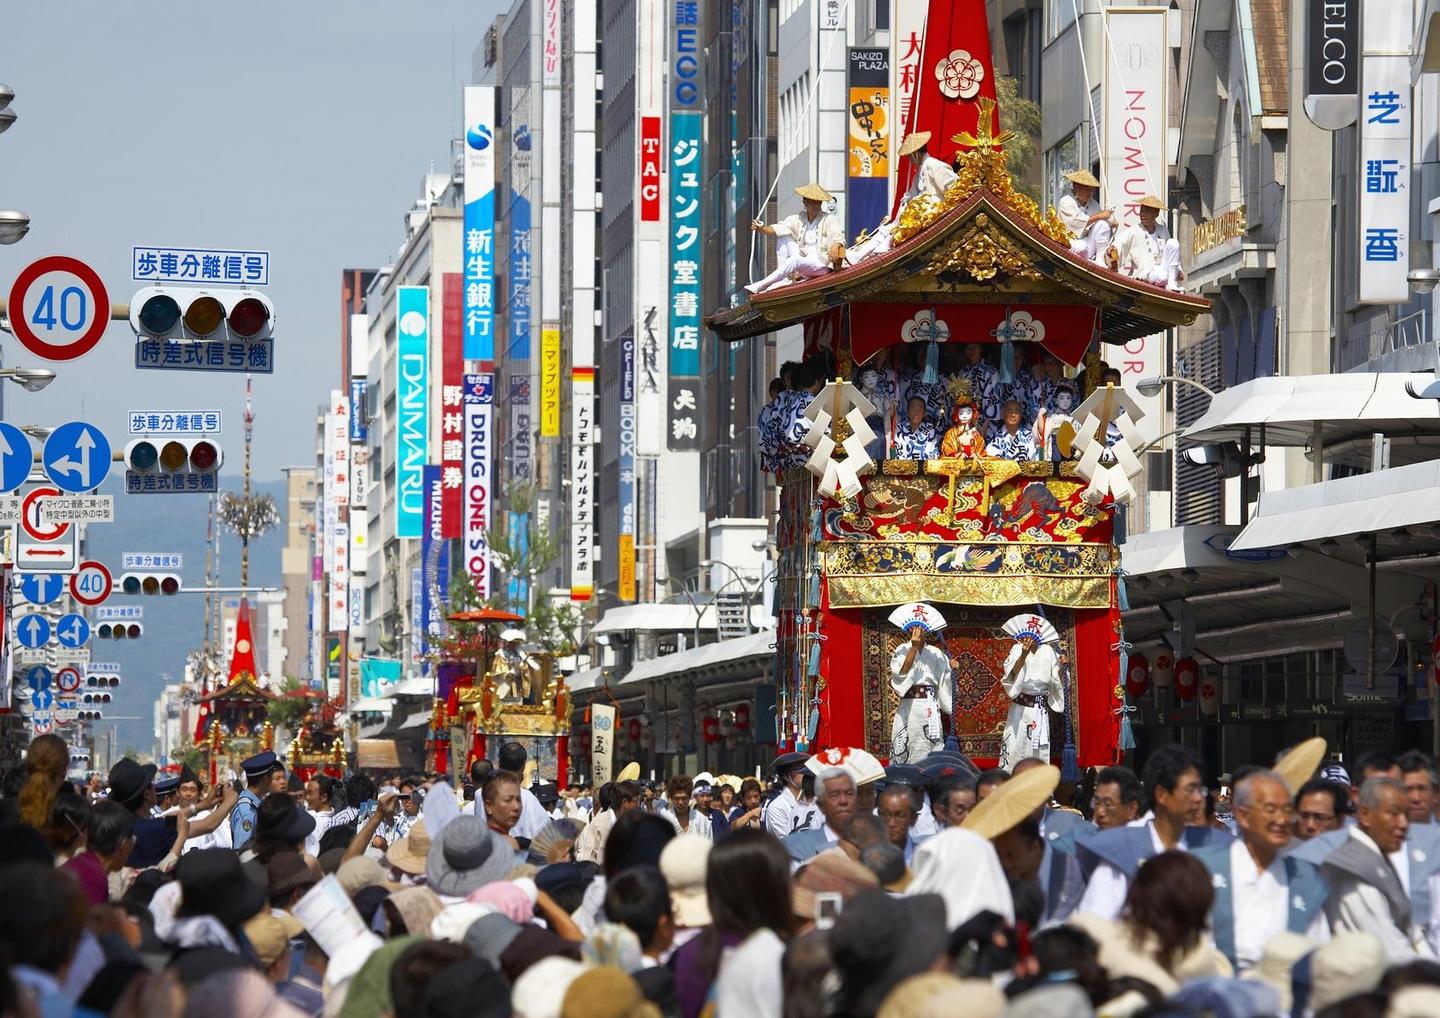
(411, 389)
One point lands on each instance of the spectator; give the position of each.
(40, 930)
(109, 837)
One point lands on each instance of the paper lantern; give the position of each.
(742, 716)
(1209, 698)
(727, 723)
(1137, 680)
(634, 729)
(710, 729)
(1187, 678)
(1162, 673)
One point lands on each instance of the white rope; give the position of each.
(835, 37)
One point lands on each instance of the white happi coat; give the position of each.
(1027, 729)
(916, 731)
(932, 179)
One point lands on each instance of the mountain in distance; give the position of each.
(174, 625)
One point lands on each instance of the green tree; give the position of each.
(1021, 118)
(288, 711)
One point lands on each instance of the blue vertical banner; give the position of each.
(517, 535)
(479, 234)
(521, 273)
(434, 561)
(685, 226)
(412, 389)
(868, 114)
(359, 412)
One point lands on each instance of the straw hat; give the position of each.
(408, 853)
(1013, 801)
(683, 863)
(1298, 766)
(1082, 177)
(814, 192)
(630, 772)
(914, 142)
(1347, 964)
(1151, 201)
(830, 872)
(1282, 951)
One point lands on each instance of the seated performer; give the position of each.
(1147, 252)
(1082, 215)
(1048, 423)
(1014, 441)
(931, 177)
(915, 436)
(808, 246)
(965, 438)
(770, 428)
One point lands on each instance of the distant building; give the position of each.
(295, 569)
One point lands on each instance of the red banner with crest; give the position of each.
(1063, 329)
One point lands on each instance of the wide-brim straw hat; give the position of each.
(1151, 201)
(1082, 177)
(630, 772)
(408, 854)
(1299, 765)
(814, 192)
(1013, 801)
(914, 142)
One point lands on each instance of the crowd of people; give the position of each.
(842, 887)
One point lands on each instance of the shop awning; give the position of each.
(590, 678)
(415, 685)
(713, 658)
(1382, 501)
(1343, 407)
(654, 617)
(372, 704)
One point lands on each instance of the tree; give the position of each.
(1021, 118)
(288, 711)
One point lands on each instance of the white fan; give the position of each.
(1034, 626)
(918, 613)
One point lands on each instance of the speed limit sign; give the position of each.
(58, 308)
(91, 583)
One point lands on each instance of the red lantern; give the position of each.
(1187, 678)
(1137, 679)
(1209, 698)
(742, 716)
(710, 728)
(1163, 674)
(634, 729)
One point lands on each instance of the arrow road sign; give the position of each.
(42, 699)
(16, 457)
(33, 631)
(67, 680)
(77, 456)
(41, 588)
(38, 678)
(72, 631)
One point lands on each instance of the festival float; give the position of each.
(1007, 554)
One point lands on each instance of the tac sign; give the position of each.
(41, 588)
(33, 631)
(16, 457)
(72, 631)
(76, 456)
(58, 308)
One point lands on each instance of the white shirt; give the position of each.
(814, 236)
(1076, 218)
(778, 812)
(749, 982)
(220, 837)
(933, 177)
(1105, 894)
(697, 824)
(1262, 906)
(1357, 905)
(532, 816)
(930, 668)
(312, 841)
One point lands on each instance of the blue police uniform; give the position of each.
(247, 808)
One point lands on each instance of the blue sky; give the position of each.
(302, 128)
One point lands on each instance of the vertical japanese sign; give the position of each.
(337, 511)
(521, 271)
(907, 34)
(520, 428)
(869, 118)
(1384, 229)
(686, 168)
(627, 469)
(412, 330)
(452, 394)
(1135, 108)
(517, 532)
(359, 412)
(479, 233)
(549, 383)
(417, 616)
(650, 327)
(651, 159)
(1135, 129)
(602, 743)
(582, 486)
(552, 171)
(478, 408)
(434, 562)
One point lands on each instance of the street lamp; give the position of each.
(1151, 387)
(13, 224)
(744, 582)
(32, 379)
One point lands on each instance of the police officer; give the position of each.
(165, 789)
(258, 769)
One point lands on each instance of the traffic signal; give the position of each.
(102, 680)
(173, 456)
(95, 698)
(178, 312)
(119, 630)
(88, 715)
(149, 583)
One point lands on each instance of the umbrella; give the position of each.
(485, 615)
(1013, 801)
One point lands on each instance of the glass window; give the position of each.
(1059, 15)
(1060, 160)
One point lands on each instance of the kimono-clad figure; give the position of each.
(770, 431)
(1048, 423)
(877, 384)
(915, 437)
(964, 437)
(1033, 683)
(1013, 441)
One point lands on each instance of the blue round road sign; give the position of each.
(33, 631)
(72, 631)
(38, 678)
(16, 457)
(42, 588)
(76, 456)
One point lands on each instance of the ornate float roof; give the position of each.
(983, 243)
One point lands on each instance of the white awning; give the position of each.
(654, 617)
(1344, 407)
(580, 681)
(415, 685)
(759, 646)
(1406, 496)
(1188, 547)
(372, 704)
